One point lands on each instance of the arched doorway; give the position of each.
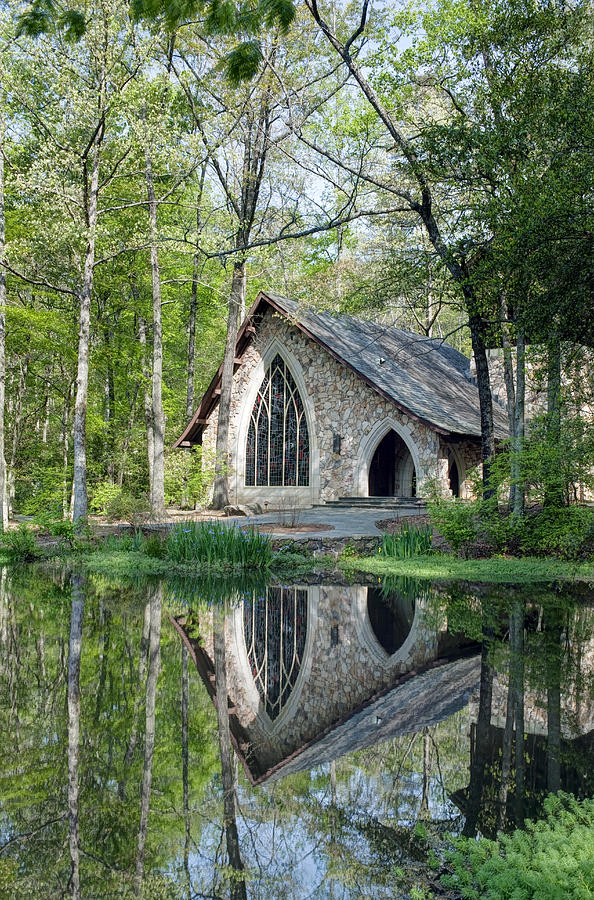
(392, 470)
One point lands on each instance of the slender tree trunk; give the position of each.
(236, 300)
(191, 374)
(148, 407)
(64, 442)
(238, 887)
(149, 734)
(74, 655)
(158, 416)
(555, 489)
(16, 431)
(485, 400)
(3, 479)
(80, 500)
(518, 438)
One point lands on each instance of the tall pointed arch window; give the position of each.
(277, 447)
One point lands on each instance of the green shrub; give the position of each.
(551, 859)
(104, 495)
(567, 532)
(153, 545)
(117, 504)
(411, 540)
(20, 544)
(457, 520)
(216, 545)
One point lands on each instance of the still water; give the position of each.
(189, 740)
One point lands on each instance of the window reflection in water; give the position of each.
(275, 629)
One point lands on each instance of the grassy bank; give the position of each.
(499, 570)
(188, 549)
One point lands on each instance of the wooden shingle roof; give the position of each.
(423, 377)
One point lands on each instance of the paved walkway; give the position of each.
(344, 522)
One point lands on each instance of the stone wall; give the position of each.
(338, 403)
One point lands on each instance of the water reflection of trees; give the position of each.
(110, 753)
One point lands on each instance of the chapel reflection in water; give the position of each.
(314, 672)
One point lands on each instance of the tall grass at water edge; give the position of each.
(411, 540)
(218, 546)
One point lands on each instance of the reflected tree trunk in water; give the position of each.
(142, 662)
(185, 766)
(238, 888)
(506, 755)
(477, 768)
(154, 661)
(105, 623)
(424, 809)
(74, 652)
(516, 640)
(554, 631)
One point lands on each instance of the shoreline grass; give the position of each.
(442, 567)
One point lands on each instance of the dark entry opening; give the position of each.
(382, 470)
(391, 617)
(392, 472)
(454, 477)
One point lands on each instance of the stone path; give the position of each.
(347, 522)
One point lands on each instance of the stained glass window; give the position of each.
(275, 629)
(277, 446)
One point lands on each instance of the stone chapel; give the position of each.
(327, 406)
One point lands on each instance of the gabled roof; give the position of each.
(423, 377)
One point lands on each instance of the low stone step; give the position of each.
(414, 503)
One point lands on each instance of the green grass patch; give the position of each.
(495, 569)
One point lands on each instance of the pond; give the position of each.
(170, 739)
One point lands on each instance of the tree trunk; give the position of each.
(16, 431)
(158, 416)
(236, 300)
(64, 442)
(191, 374)
(3, 479)
(518, 437)
(149, 734)
(148, 408)
(238, 887)
(485, 400)
(80, 500)
(74, 655)
(555, 488)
